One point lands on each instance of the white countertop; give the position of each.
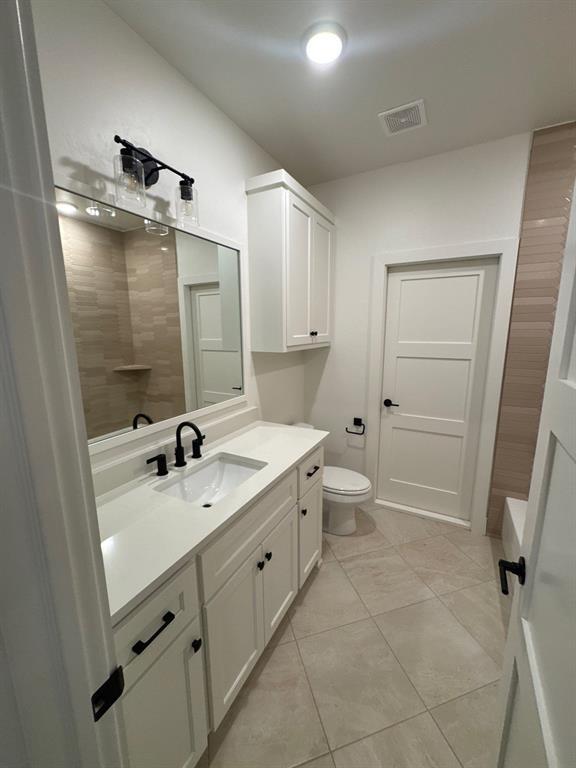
(148, 535)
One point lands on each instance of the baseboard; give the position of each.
(437, 516)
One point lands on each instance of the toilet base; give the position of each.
(339, 519)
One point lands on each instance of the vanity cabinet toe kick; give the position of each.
(187, 650)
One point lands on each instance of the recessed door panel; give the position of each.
(445, 390)
(298, 264)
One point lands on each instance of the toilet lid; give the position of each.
(340, 480)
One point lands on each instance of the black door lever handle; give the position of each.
(389, 403)
(518, 569)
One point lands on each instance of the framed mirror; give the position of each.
(156, 316)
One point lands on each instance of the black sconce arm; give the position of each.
(159, 165)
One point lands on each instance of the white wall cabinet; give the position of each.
(291, 253)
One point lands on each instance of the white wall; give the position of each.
(100, 78)
(469, 195)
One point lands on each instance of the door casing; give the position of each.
(506, 252)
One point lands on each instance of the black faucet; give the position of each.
(196, 443)
(162, 469)
(141, 417)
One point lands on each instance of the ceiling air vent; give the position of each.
(404, 118)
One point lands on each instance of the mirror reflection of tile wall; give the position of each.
(126, 302)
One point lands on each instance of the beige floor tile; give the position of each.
(470, 724)
(356, 681)
(402, 527)
(327, 554)
(484, 612)
(442, 565)
(384, 581)
(284, 632)
(416, 743)
(441, 658)
(274, 722)
(325, 761)
(484, 550)
(367, 538)
(328, 600)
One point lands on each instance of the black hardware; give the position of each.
(196, 645)
(316, 468)
(108, 693)
(179, 451)
(161, 462)
(238, 388)
(313, 333)
(141, 645)
(518, 569)
(268, 556)
(260, 564)
(152, 166)
(357, 423)
(304, 512)
(389, 403)
(141, 417)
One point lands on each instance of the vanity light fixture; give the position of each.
(66, 209)
(324, 42)
(136, 169)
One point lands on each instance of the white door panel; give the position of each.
(438, 324)
(320, 280)
(280, 550)
(539, 681)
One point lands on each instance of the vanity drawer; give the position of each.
(221, 559)
(156, 623)
(310, 471)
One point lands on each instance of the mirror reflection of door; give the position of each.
(217, 365)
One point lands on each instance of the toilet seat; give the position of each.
(345, 482)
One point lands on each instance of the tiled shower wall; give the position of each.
(549, 189)
(124, 305)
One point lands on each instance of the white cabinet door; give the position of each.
(164, 712)
(310, 523)
(281, 571)
(298, 261)
(321, 280)
(235, 633)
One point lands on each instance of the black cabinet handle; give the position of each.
(313, 333)
(518, 569)
(389, 403)
(304, 512)
(197, 644)
(141, 645)
(268, 556)
(260, 564)
(316, 468)
(238, 388)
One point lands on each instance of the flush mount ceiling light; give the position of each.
(324, 42)
(66, 209)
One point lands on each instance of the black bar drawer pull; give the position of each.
(313, 472)
(518, 569)
(141, 645)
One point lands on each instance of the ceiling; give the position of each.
(485, 68)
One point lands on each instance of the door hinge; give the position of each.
(108, 693)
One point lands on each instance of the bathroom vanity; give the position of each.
(198, 587)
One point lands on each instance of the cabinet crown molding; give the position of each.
(282, 178)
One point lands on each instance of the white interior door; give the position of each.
(438, 327)
(540, 672)
(298, 255)
(217, 366)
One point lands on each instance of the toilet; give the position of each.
(342, 490)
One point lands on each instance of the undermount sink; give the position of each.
(212, 481)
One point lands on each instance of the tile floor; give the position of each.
(389, 658)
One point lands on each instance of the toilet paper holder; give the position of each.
(357, 422)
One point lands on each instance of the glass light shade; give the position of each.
(129, 179)
(187, 205)
(155, 228)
